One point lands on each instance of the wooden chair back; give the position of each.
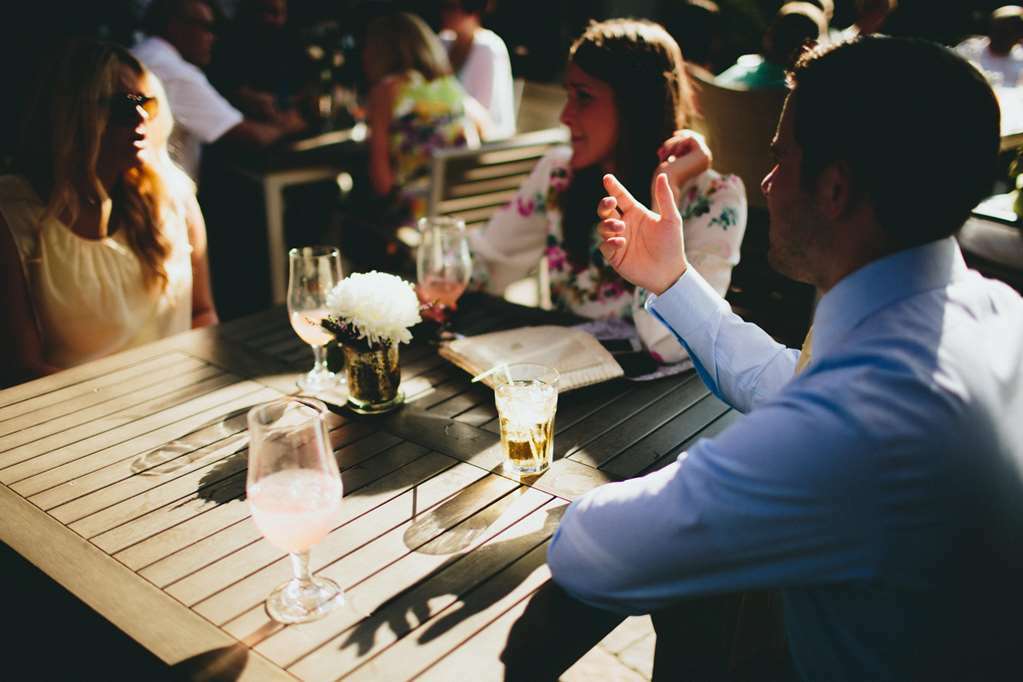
(473, 183)
(739, 126)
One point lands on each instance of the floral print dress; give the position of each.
(509, 248)
(427, 115)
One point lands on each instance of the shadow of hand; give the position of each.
(225, 663)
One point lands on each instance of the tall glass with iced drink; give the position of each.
(527, 397)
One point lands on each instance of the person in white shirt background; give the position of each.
(178, 47)
(480, 60)
(999, 54)
(880, 490)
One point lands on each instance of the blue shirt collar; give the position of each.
(879, 284)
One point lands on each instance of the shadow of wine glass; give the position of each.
(401, 621)
(182, 452)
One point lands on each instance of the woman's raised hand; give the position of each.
(644, 247)
(683, 156)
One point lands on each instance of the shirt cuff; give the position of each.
(689, 304)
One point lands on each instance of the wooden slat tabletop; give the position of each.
(124, 480)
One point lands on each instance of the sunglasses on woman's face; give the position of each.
(124, 107)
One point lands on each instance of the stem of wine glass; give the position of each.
(319, 360)
(300, 567)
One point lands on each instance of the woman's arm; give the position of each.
(19, 337)
(480, 120)
(203, 310)
(683, 156)
(380, 107)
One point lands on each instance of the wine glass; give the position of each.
(443, 262)
(294, 493)
(314, 272)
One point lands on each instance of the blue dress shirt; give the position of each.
(863, 487)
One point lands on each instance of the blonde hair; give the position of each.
(179, 184)
(402, 42)
(60, 146)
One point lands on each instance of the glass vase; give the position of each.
(374, 377)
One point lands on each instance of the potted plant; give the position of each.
(370, 315)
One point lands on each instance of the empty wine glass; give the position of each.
(294, 493)
(314, 272)
(443, 262)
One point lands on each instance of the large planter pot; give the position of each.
(374, 379)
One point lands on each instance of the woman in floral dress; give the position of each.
(628, 103)
(415, 106)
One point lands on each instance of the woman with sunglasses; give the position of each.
(102, 242)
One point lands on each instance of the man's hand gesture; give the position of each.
(645, 248)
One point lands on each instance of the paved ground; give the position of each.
(625, 655)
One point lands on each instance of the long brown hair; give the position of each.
(643, 65)
(60, 146)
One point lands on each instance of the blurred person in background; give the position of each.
(101, 237)
(871, 16)
(259, 63)
(415, 105)
(181, 34)
(826, 6)
(797, 24)
(480, 60)
(999, 54)
(696, 26)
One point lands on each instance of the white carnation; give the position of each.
(380, 307)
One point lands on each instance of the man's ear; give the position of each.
(834, 190)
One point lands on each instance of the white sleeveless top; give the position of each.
(88, 294)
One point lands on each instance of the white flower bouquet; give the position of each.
(372, 310)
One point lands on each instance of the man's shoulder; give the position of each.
(972, 45)
(952, 339)
(490, 41)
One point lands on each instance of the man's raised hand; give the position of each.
(644, 247)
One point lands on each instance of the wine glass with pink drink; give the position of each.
(314, 272)
(443, 263)
(294, 493)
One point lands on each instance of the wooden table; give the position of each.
(124, 481)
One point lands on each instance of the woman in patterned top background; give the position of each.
(415, 105)
(628, 103)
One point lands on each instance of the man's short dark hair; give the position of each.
(159, 14)
(475, 6)
(916, 125)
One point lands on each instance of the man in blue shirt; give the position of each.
(879, 489)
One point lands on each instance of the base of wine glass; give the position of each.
(316, 381)
(298, 602)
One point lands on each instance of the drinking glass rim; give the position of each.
(546, 374)
(315, 251)
(316, 404)
(442, 221)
